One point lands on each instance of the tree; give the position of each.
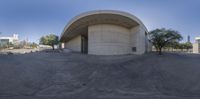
(172, 45)
(49, 40)
(33, 45)
(181, 46)
(187, 45)
(162, 37)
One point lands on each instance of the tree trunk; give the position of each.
(53, 46)
(160, 51)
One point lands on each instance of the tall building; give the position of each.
(6, 39)
(188, 38)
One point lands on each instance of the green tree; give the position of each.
(49, 40)
(162, 37)
(172, 45)
(187, 45)
(33, 45)
(181, 46)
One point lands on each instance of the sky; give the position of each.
(32, 19)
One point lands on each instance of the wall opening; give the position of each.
(84, 44)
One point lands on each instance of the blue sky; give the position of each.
(33, 18)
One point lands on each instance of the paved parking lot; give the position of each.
(54, 75)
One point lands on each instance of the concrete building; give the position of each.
(106, 32)
(196, 45)
(5, 40)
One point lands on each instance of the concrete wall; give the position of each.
(74, 44)
(138, 40)
(105, 39)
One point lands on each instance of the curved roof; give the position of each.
(80, 23)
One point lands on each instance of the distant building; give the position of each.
(196, 45)
(188, 38)
(5, 40)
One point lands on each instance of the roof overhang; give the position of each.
(79, 24)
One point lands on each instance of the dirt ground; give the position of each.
(43, 75)
(17, 51)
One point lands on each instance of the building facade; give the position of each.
(106, 32)
(196, 45)
(5, 40)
